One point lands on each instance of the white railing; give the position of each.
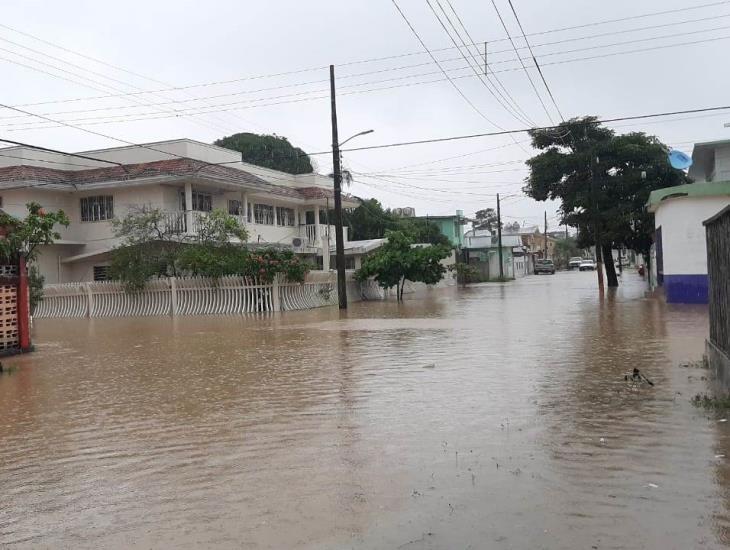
(194, 296)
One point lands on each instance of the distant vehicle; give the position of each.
(587, 265)
(544, 266)
(574, 262)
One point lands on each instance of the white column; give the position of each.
(189, 206)
(245, 207)
(276, 216)
(317, 236)
(325, 256)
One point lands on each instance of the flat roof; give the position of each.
(706, 189)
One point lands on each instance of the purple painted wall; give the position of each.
(686, 289)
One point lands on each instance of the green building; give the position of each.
(452, 227)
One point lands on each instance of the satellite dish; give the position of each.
(679, 160)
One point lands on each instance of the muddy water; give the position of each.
(491, 417)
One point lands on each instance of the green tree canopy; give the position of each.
(398, 260)
(485, 219)
(371, 221)
(269, 151)
(623, 169)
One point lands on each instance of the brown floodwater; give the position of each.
(491, 417)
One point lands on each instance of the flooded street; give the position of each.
(491, 417)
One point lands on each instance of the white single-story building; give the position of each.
(680, 248)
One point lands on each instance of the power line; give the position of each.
(245, 92)
(453, 84)
(534, 60)
(507, 107)
(522, 130)
(56, 151)
(587, 58)
(519, 57)
(486, 65)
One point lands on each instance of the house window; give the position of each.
(285, 216)
(202, 202)
(96, 209)
(263, 214)
(101, 272)
(235, 207)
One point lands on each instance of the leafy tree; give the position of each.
(580, 158)
(566, 249)
(23, 238)
(269, 151)
(485, 219)
(371, 221)
(152, 247)
(398, 261)
(464, 273)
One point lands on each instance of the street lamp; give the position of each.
(339, 239)
(364, 132)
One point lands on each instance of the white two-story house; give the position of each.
(184, 178)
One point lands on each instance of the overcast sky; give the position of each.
(199, 44)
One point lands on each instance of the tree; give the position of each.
(269, 151)
(398, 261)
(581, 157)
(152, 245)
(22, 239)
(485, 219)
(371, 221)
(566, 249)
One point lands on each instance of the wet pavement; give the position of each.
(490, 417)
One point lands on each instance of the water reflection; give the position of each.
(459, 418)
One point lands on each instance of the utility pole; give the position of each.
(499, 240)
(546, 247)
(339, 241)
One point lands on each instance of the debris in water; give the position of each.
(430, 366)
(602, 440)
(636, 377)
(719, 456)
(652, 485)
(723, 420)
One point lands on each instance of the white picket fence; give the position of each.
(197, 296)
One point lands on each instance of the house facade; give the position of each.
(185, 179)
(451, 227)
(481, 248)
(679, 252)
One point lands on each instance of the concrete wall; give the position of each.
(684, 247)
(722, 163)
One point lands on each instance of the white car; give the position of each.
(574, 262)
(587, 265)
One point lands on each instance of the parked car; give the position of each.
(574, 263)
(587, 265)
(544, 266)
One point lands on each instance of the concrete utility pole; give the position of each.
(499, 240)
(339, 241)
(546, 247)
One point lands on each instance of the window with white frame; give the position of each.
(96, 209)
(263, 214)
(285, 216)
(202, 202)
(235, 207)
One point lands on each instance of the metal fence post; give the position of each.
(173, 296)
(89, 301)
(276, 294)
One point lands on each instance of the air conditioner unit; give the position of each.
(296, 242)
